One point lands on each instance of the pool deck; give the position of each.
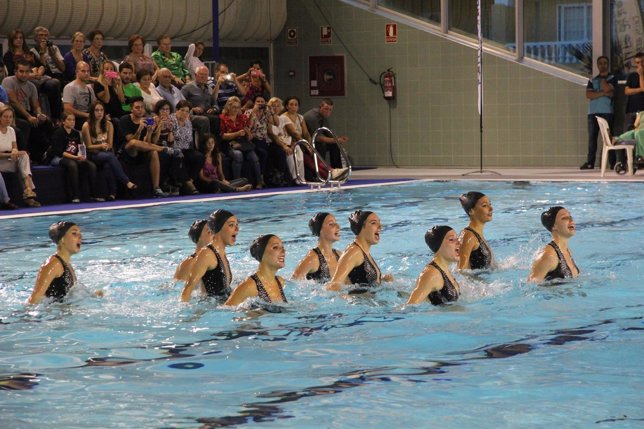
(359, 178)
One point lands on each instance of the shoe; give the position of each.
(245, 188)
(158, 193)
(131, 186)
(587, 166)
(76, 200)
(31, 202)
(111, 197)
(338, 173)
(189, 188)
(98, 200)
(639, 160)
(8, 206)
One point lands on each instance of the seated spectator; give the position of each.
(636, 134)
(149, 93)
(140, 145)
(226, 85)
(296, 130)
(78, 95)
(74, 55)
(258, 125)
(172, 160)
(164, 57)
(279, 149)
(236, 135)
(93, 55)
(23, 96)
(5, 201)
(4, 97)
(98, 136)
(193, 58)
(109, 90)
(50, 57)
(66, 146)
(17, 50)
(130, 90)
(184, 139)
(319, 117)
(257, 84)
(211, 176)
(137, 57)
(14, 160)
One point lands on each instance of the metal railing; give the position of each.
(318, 159)
(551, 52)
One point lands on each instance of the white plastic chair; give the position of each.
(608, 146)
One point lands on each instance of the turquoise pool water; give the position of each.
(508, 354)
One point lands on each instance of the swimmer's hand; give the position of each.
(333, 286)
(388, 278)
(99, 293)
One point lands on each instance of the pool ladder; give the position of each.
(316, 156)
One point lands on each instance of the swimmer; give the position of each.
(436, 282)
(269, 251)
(555, 260)
(356, 266)
(56, 275)
(201, 236)
(211, 267)
(320, 262)
(475, 251)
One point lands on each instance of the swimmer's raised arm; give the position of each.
(544, 263)
(183, 270)
(205, 260)
(310, 264)
(350, 259)
(468, 243)
(50, 269)
(246, 289)
(429, 281)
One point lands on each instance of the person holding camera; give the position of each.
(50, 57)
(109, 89)
(258, 84)
(226, 85)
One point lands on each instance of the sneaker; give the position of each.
(111, 197)
(587, 166)
(76, 200)
(98, 200)
(158, 193)
(245, 188)
(31, 202)
(8, 206)
(338, 173)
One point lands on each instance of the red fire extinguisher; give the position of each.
(388, 84)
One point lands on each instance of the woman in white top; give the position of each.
(193, 58)
(14, 160)
(296, 129)
(150, 94)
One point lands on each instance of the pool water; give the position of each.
(508, 354)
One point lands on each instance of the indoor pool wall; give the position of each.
(508, 354)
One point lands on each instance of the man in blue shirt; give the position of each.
(599, 91)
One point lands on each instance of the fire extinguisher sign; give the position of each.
(391, 33)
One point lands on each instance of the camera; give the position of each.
(149, 121)
(261, 106)
(49, 43)
(228, 77)
(111, 74)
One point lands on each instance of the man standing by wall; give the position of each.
(599, 91)
(319, 117)
(635, 91)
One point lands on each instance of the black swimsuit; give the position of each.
(447, 293)
(366, 273)
(481, 257)
(323, 271)
(216, 281)
(563, 270)
(261, 290)
(60, 286)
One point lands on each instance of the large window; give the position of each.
(497, 20)
(627, 33)
(427, 10)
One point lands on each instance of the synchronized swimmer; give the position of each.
(208, 269)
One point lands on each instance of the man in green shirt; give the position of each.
(126, 72)
(164, 57)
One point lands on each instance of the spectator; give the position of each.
(258, 125)
(296, 129)
(201, 98)
(17, 50)
(5, 201)
(98, 135)
(74, 55)
(279, 149)
(137, 57)
(4, 97)
(319, 117)
(66, 145)
(184, 139)
(235, 133)
(258, 84)
(164, 57)
(148, 91)
(93, 55)
(23, 96)
(14, 160)
(166, 89)
(193, 58)
(636, 134)
(50, 57)
(140, 142)
(109, 90)
(226, 86)
(635, 91)
(211, 176)
(78, 95)
(130, 90)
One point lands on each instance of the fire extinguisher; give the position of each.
(388, 84)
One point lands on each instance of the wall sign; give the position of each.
(291, 36)
(391, 33)
(325, 35)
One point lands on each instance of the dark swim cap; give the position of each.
(316, 222)
(357, 220)
(59, 229)
(195, 229)
(548, 217)
(258, 246)
(434, 237)
(217, 219)
(469, 200)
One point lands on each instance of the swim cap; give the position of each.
(316, 222)
(469, 200)
(59, 229)
(217, 219)
(434, 237)
(548, 217)
(357, 220)
(258, 246)
(195, 229)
